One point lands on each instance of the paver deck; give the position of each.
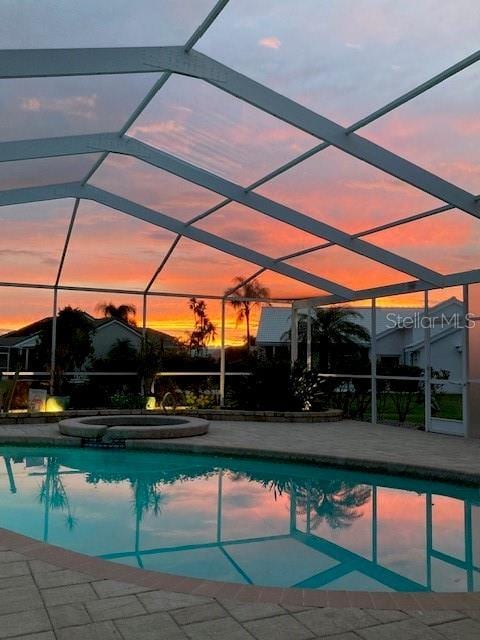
(48, 593)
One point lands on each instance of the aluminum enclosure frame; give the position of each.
(185, 60)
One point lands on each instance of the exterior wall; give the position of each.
(105, 337)
(391, 344)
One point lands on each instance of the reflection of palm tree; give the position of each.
(146, 497)
(334, 501)
(11, 477)
(54, 496)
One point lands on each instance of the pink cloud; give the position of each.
(82, 106)
(270, 42)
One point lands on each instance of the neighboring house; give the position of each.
(16, 346)
(109, 330)
(400, 335)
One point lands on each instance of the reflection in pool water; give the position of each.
(247, 521)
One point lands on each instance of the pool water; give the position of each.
(246, 521)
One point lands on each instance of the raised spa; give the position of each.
(114, 429)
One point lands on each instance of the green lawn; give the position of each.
(450, 406)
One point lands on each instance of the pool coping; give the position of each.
(106, 570)
(366, 463)
(103, 569)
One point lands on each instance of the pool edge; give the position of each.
(105, 570)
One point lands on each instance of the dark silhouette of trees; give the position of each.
(336, 334)
(73, 342)
(204, 330)
(124, 312)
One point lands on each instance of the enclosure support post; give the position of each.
(222, 358)
(309, 338)
(429, 537)
(373, 360)
(219, 506)
(428, 365)
(144, 391)
(53, 348)
(465, 364)
(294, 336)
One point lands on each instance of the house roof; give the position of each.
(16, 337)
(274, 322)
(28, 330)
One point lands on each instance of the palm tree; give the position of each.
(124, 312)
(204, 329)
(253, 289)
(335, 331)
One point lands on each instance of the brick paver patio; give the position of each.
(42, 601)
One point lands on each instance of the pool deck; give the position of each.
(48, 592)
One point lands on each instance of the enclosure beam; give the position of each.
(375, 115)
(451, 280)
(67, 241)
(160, 83)
(61, 62)
(162, 264)
(134, 292)
(299, 116)
(172, 224)
(237, 193)
(196, 175)
(50, 63)
(26, 195)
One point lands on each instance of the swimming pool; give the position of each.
(247, 521)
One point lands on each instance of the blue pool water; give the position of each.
(246, 521)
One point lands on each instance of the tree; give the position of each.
(252, 289)
(122, 356)
(336, 334)
(204, 330)
(73, 342)
(124, 312)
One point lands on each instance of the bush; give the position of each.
(268, 388)
(402, 393)
(128, 401)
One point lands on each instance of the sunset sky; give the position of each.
(344, 59)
